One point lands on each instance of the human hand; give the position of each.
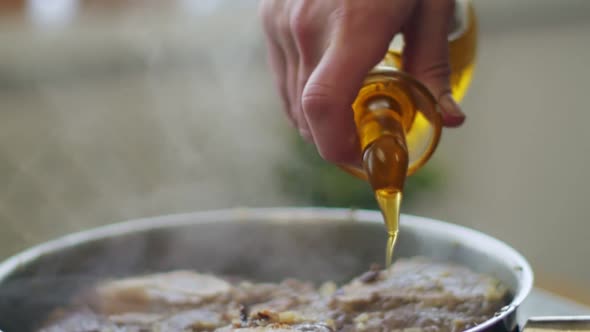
(321, 50)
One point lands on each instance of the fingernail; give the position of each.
(452, 114)
(449, 105)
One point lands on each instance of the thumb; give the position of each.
(426, 54)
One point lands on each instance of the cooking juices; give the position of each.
(398, 121)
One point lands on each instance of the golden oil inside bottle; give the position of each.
(397, 119)
(385, 161)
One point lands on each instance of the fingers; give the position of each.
(276, 55)
(277, 62)
(286, 42)
(321, 52)
(426, 55)
(359, 41)
(307, 23)
(284, 58)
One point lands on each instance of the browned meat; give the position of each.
(158, 292)
(281, 328)
(84, 321)
(414, 294)
(419, 293)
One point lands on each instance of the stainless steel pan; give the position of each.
(262, 244)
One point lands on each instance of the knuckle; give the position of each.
(274, 16)
(283, 25)
(307, 33)
(323, 108)
(265, 8)
(347, 17)
(266, 12)
(438, 70)
(318, 99)
(301, 22)
(435, 77)
(355, 14)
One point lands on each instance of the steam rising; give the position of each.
(146, 113)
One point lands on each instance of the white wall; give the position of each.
(519, 168)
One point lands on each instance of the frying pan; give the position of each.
(264, 244)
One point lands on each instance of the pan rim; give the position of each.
(468, 236)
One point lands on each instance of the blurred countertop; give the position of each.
(542, 303)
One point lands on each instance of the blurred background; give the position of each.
(118, 109)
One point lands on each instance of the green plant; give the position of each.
(308, 179)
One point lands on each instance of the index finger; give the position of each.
(360, 40)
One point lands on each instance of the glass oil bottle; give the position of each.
(398, 120)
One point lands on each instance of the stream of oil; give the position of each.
(389, 201)
(386, 163)
(389, 124)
